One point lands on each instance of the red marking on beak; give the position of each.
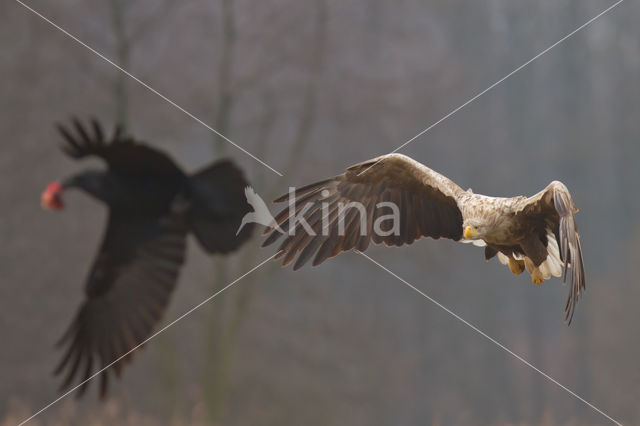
(51, 198)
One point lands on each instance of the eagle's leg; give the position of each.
(537, 277)
(535, 252)
(516, 266)
(536, 274)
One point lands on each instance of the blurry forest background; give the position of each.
(312, 87)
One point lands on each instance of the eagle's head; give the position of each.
(474, 229)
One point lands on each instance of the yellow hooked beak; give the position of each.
(469, 233)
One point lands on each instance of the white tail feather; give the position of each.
(552, 265)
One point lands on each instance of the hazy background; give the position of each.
(312, 87)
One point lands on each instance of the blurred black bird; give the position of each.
(153, 205)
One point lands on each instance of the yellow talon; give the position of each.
(516, 266)
(537, 280)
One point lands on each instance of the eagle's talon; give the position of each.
(516, 266)
(537, 280)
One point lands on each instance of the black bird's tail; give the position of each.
(217, 206)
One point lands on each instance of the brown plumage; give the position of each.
(537, 233)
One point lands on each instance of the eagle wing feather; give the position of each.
(427, 203)
(555, 207)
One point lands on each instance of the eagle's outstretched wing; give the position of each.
(554, 207)
(426, 201)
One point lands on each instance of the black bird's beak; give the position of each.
(51, 198)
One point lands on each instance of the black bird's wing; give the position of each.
(127, 292)
(121, 153)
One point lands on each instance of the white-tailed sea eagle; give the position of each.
(535, 233)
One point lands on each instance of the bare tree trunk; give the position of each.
(227, 317)
(167, 360)
(222, 119)
(123, 48)
(169, 376)
(217, 356)
(316, 63)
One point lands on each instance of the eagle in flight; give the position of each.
(536, 233)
